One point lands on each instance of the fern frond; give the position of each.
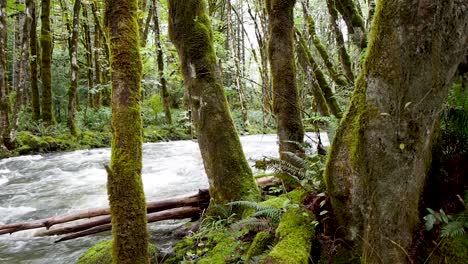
(453, 229)
(249, 204)
(283, 167)
(270, 213)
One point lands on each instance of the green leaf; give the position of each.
(429, 221)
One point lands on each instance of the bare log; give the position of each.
(200, 199)
(176, 213)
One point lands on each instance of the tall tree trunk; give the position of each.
(281, 56)
(320, 77)
(74, 68)
(145, 30)
(89, 58)
(321, 49)
(4, 100)
(125, 187)
(381, 154)
(229, 174)
(22, 72)
(36, 104)
(320, 100)
(97, 66)
(46, 61)
(160, 58)
(352, 15)
(344, 56)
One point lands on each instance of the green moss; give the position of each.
(295, 233)
(453, 251)
(101, 253)
(259, 244)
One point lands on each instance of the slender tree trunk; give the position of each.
(4, 100)
(352, 15)
(322, 50)
(303, 60)
(381, 154)
(321, 80)
(89, 59)
(97, 66)
(145, 30)
(125, 187)
(21, 74)
(74, 68)
(344, 57)
(281, 56)
(36, 104)
(160, 58)
(46, 57)
(229, 174)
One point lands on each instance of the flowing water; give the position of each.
(40, 186)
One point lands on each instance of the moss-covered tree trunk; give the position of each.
(320, 77)
(46, 61)
(160, 59)
(377, 166)
(229, 174)
(303, 61)
(20, 85)
(89, 58)
(344, 56)
(281, 55)
(4, 101)
(35, 100)
(339, 80)
(352, 16)
(125, 188)
(97, 66)
(74, 68)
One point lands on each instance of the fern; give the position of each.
(453, 229)
(253, 224)
(270, 213)
(252, 205)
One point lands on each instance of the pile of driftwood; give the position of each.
(99, 219)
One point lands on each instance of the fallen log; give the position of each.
(176, 213)
(199, 199)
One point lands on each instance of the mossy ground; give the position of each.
(101, 253)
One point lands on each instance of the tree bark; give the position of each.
(4, 100)
(125, 187)
(74, 68)
(344, 56)
(378, 162)
(352, 16)
(229, 174)
(285, 94)
(320, 77)
(46, 61)
(160, 59)
(35, 100)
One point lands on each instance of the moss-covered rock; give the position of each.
(295, 235)
(101, 253)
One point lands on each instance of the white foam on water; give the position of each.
(5, 171)
(3, 180)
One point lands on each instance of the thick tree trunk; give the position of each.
(74, 68)
(352, 15)
(46, 61)
(125, 187)
(229, 174)
(160, 59)
(377, 166)
(281, 55)
(35, 100)
(4, 100)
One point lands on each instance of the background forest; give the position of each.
(42, 115)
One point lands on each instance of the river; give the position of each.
(40, 186)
